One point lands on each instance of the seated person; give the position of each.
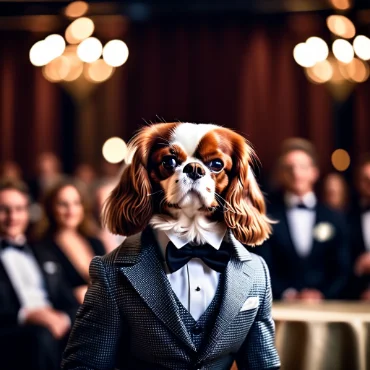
(67, 231)
(359, 220)
(308, 253)
(36, 306)
(335, 192)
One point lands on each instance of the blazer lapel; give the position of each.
(282, 230)
(146, 275)
(237, 285)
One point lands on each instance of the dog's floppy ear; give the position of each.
(245, 211)
(129, 207)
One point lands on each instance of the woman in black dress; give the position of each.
(67, 233)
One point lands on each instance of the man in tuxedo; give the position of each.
(308, 253)
(359, 221)
(36, 307)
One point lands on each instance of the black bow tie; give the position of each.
(215, 259)
(7, 244)
(302, 206)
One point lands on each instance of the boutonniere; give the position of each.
(323, 231)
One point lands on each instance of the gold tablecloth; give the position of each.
(323, 336)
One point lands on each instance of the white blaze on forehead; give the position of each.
(189, 135)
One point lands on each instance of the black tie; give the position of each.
(7, 244)
(302, 206)
(215, 259)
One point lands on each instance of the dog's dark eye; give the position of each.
(216, 165)
(169, 162)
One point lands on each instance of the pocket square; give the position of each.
(250, 303)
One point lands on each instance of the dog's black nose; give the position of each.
(194, 170)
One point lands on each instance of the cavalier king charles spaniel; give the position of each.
(192, 179)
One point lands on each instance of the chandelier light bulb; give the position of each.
(56, 45)
(115, 53)
(79, 30)
(343, 51)
(341, 26)
(318, 47)
(90, 50)
(40, 54)
(303, 55)
(361, 45)
(98, 71)
(76, 9)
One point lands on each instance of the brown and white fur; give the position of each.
(192, 179)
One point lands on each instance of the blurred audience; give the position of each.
(36, 305)
(10, 170)
(109, 240)
(68, 231)
(359, 220)
(48, 173)
(335, 192)
(308, 253)
(85, 175)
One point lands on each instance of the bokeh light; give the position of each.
(55, 45)
(98, 71)
(303, 55)
(341, 4)
(340, 159)
(75, 63)
(343, 50)
(90, 50)
(321, 72)
(318, 47)
(355, 71)
(341, 26)
(76, 9)
(39, 54)
(114, 150)
(57, 70)
(361, 45)
(115, 53)
(79, 30)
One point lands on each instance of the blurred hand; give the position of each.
(57, 322)
(80, 292)
(290, 295)
(365, 296)
(311, 295)
(362, 264)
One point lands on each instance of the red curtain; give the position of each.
(238, 73)
(29, 105)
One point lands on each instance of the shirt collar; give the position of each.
(19, 240)
(213, 238)
(292, 200)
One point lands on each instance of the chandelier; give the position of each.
(79, 55)
(343, 62)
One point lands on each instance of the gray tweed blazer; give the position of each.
(130, 318)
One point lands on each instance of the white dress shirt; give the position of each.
(301, 221)
(194, 284)
(365, 226)
(26, 278)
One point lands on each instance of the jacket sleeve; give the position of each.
(279, 283)
(258, 351)
(96, 332)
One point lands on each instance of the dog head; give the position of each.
(200, 171)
